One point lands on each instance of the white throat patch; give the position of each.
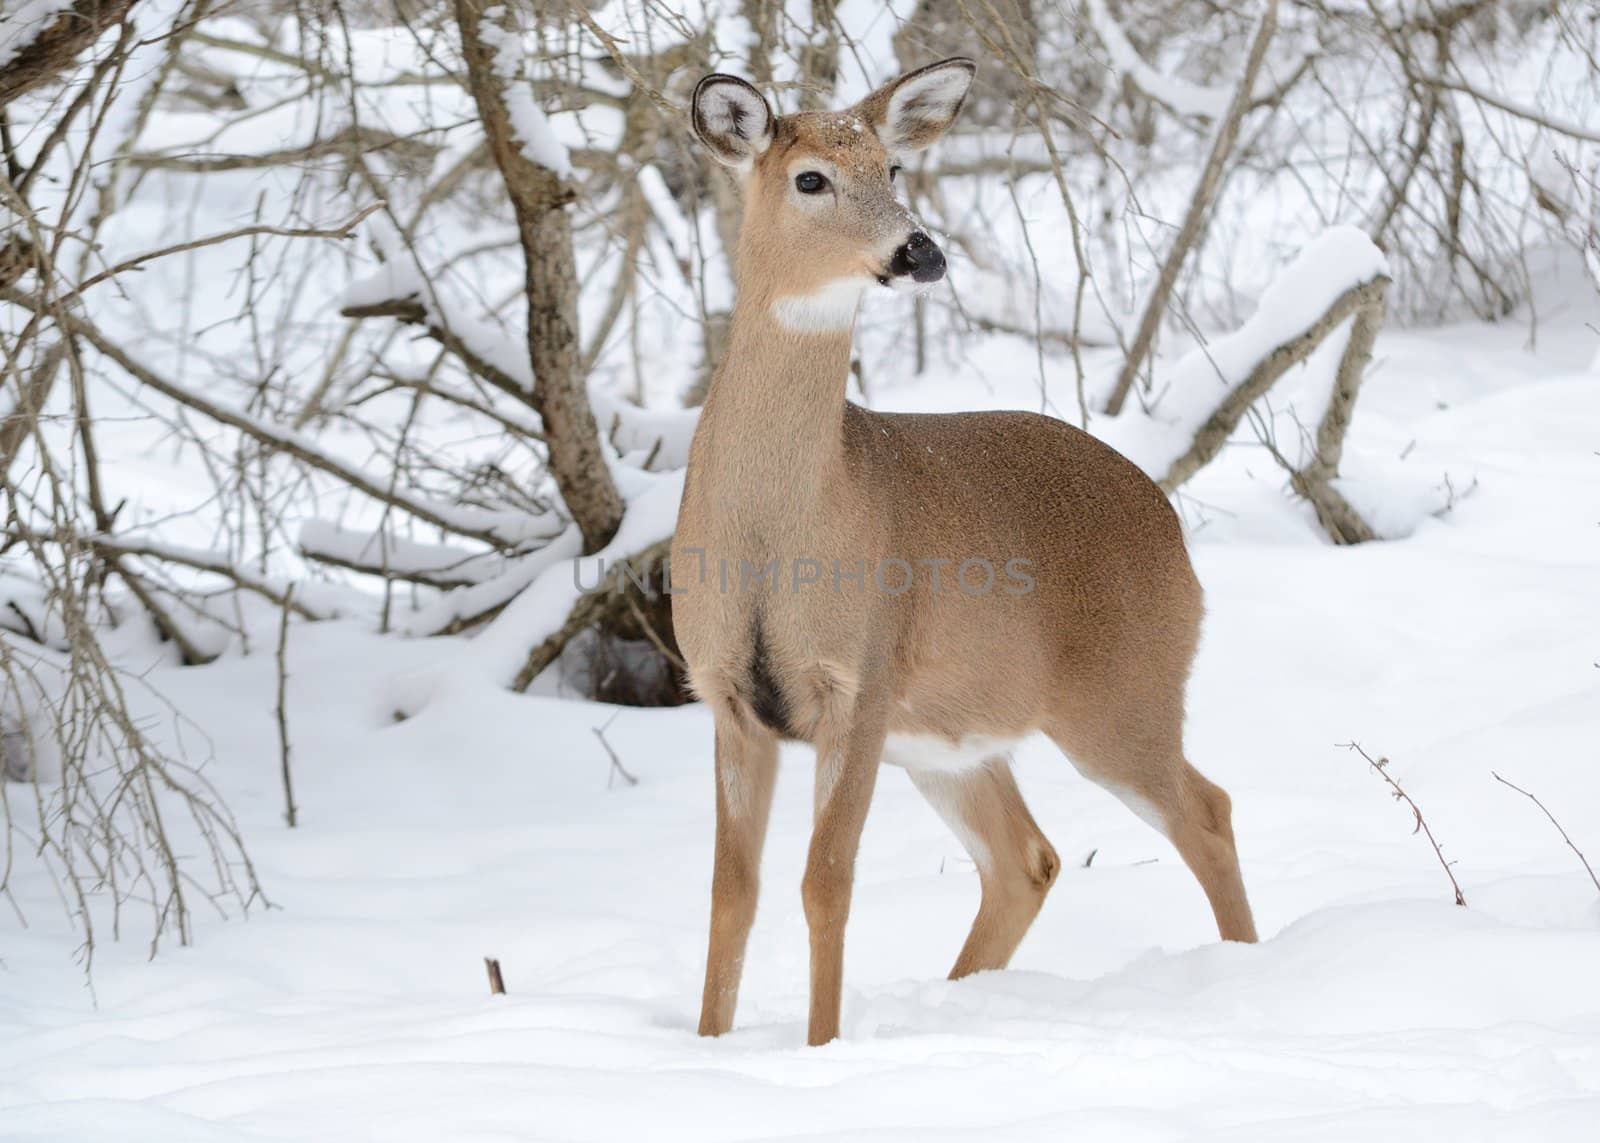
(831, 309)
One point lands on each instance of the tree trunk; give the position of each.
(539, 197)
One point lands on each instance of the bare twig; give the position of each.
(343, 230)
(617, 768)
(290, 813)
(1381, 768)
(1570, 845)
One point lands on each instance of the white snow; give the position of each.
(528, 120)
(489, 824)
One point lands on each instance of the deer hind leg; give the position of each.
(747, 766)
(1152, 778)
(1016, 864)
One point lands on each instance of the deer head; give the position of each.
(822, 222)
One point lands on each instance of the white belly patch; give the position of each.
(932, 752)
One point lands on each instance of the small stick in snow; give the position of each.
(497, 983)
(1401, 796)
(1532, 798)
(290, 814)
(616, 763)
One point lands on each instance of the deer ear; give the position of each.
(731, 119)
(910, 113)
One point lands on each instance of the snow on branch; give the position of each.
(22, 25)
(528, 120)
(468, 606)
(1211, 387)
(39, 39)
(1178, 94)
(216, 563)
(546, 611)
(384, 554)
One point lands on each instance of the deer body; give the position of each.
(918, 589)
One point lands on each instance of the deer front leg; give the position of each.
(847, 769)
(747, 764)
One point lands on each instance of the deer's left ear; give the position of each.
(910, 113)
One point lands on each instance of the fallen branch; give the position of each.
(395, 557)
(467, 606)
(206, 562)
(1314, 480)
(193, 654)
(1215, 431)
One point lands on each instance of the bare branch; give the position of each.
(1199, 210)
(344, 230)
(1589, 869)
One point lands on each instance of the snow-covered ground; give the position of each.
(490, 824)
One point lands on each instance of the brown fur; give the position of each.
(1096, 655)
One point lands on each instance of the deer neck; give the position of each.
(774, 413)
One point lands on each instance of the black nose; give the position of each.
(920, 257)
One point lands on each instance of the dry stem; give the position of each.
(1380, 766)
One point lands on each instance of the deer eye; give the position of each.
(894, 170)
(810, 182)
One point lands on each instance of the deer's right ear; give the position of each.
(732, 119)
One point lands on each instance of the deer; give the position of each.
(802, 514)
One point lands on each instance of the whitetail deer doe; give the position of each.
(808, 532)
